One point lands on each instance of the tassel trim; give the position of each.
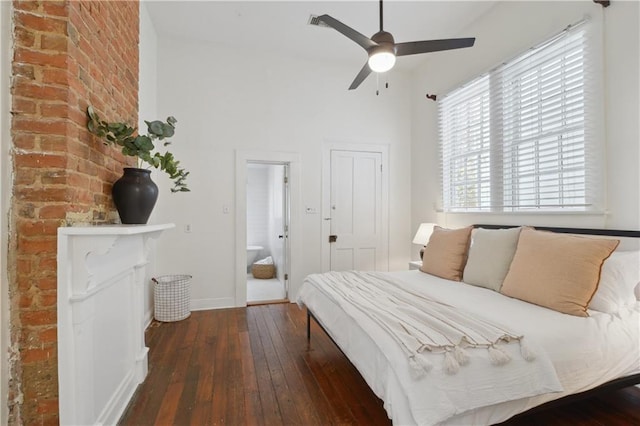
(526, 352)
(498, 356)
(451, 365)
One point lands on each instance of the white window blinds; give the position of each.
(465, 120)
(522, 137)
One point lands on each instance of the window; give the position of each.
(522, 137)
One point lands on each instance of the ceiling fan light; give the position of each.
(382, 61)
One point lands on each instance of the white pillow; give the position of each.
(490, 256)
(619, 279)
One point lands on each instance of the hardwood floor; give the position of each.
(253, 366)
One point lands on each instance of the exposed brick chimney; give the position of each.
(67, 55)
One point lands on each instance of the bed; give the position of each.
(573, 354)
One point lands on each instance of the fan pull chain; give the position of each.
(386, 84)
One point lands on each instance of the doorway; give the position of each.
(355, 207)
(267, 221)
(293, 251)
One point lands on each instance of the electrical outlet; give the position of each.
(225, 209)
(187, 228)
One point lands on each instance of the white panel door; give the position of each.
(356, 211)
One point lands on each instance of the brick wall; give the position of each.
(67, 55)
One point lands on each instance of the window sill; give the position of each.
(530, 213)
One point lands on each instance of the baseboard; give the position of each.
(206, 304)
(197, 305)
(201, 305)
(119, 400)
(148, 317)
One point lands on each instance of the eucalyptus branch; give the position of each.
(141, 146)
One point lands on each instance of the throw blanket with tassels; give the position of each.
(419, 324)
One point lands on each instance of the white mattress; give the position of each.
(585, 352)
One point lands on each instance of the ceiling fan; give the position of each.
(382, 49)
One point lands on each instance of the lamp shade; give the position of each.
(423, 234)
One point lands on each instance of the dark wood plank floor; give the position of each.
(253, 366)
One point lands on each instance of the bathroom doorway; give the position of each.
(267, 232)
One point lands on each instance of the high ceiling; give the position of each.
(282, 26)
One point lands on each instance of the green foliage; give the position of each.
(141, 146)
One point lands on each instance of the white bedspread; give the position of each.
(418, 323)
(439, 396)
(585, 352)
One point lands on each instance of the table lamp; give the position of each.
(422, 236)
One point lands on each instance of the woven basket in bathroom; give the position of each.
(263, 272)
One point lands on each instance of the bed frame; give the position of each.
(610, 386)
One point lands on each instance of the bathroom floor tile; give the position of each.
(264, 290)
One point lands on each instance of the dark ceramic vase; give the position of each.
(135, 195)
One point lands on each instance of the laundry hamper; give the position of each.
(172, 297)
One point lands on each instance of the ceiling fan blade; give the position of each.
(415, 47)
(364, 73)
(361, 39)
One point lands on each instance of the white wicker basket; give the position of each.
(172, 297)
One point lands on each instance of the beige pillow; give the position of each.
(490, 256)
(558, 271)
(446, 253)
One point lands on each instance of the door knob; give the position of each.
(280, 236)
(333, 238)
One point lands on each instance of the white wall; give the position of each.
(148, 79)
(622, 104)
(504, 31)
(147, 110)
(258, 189)
(227, 100)
(5, 185)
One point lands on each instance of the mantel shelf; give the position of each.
(114, 229)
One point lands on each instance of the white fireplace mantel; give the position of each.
(102, 355)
